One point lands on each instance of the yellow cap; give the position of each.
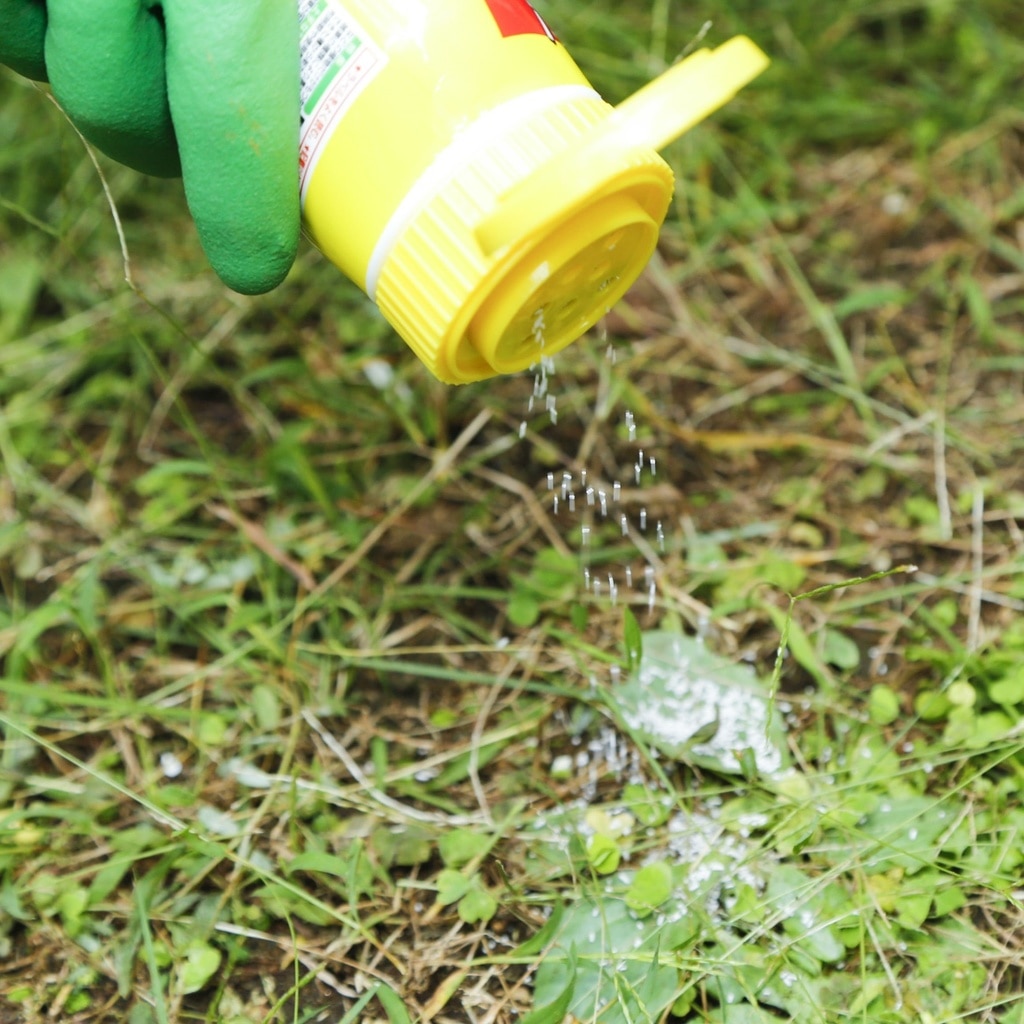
(532, 240)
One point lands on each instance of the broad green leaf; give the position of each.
(266, 705)
(883, 705)
(405, 845)
(961, 725)
(615, 976)
(931, 705)
(452, 885)
(213, 728)
(462, 845)
(10, 900)
(603, 854)
(962, 694)
(800, 646)
(108, 878)
(949, 899)
(523, 609)
(912, 909)
(71, 904)
(554, 1012)
(989, 727)
(538, 942)
(839, 650)
(809, 918)
(696, 706)
(1009, 690)
(201, 963)
(477, 905)
(905, 831)
(281, 902)
(652, 885)
(648, 806)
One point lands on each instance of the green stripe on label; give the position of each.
(329, 75)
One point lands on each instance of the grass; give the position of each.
(305, 712)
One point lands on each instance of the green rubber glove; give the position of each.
(205, 88)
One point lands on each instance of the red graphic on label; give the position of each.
(517, 18)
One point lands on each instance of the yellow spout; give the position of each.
(650, 119)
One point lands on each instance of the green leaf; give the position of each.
(279, 901)
(477, 905)
(156, 480)
(462, 845)
(392, 1004)
(931, 705)
(201, 963)
(267, 707)
(961, 725)
(696, 706)
(800, 646)
(404, 846)
(213, 728)
(839, 650)
(452, 885)
(809, 917)
(883, 705)
(10, 900)
(912, 910)
(540, 940)
(20, 279)
(555, 1011)
(989, 727)
(1009, 690)
(651, 886)
(320, 862)
(648, 807)
(948, 900)
(108, 878)
(864, 299)
(905, 832)
(962, 694)
(613, 963)
(71, 904)
(603, 854)
(523, 609)
(458, 767)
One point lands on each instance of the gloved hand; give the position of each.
(208, 89)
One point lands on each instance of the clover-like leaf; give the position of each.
(477, 905)
(452, 885)
(603, 854)
(201, 963)
(652, 885)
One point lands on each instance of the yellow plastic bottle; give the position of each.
(458, 166)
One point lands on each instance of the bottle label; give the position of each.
(339, 60)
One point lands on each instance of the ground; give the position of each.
(307, 711)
